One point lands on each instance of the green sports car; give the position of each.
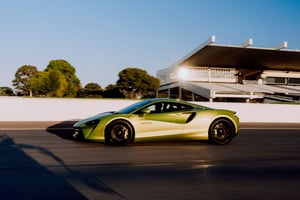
(160, 119)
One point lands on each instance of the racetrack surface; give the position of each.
(39, 160)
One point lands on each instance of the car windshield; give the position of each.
(133, 107)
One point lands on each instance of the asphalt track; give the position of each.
(41, 161)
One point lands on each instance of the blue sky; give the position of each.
(102, 37)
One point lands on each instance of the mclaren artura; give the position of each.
(160, 119)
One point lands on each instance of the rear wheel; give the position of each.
(221, 131)
(119, 133)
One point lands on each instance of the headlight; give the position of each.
(93, 122)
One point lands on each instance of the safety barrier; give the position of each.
(61, 109)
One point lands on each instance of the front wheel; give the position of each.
(119, 133)
(221, 131)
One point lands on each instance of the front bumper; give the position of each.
(78, 134)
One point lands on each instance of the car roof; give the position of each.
(172, 100)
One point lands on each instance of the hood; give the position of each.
(98, 116)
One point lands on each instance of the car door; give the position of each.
(163, 118)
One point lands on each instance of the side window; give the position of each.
(184, 107)
(156, 108)
(163, 107)
(151, 108)
(169, 107)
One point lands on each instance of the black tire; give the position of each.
(221, 131)
(119, 133)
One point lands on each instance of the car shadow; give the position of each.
(63, 129)
(66, 131)
(170, 143)
(23, 177)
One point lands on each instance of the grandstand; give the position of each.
(214, 72)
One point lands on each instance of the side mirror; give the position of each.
(145, 111)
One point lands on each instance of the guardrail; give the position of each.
(59, 109)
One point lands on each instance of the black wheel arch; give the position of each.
(107, 127)
(227, 119)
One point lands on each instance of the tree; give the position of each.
(51, 84)
(56, 84)
(136, 83)
(112, 91)
(38, 84)
(92, 90)
(22, 79)
(73, 83)
(6, 91)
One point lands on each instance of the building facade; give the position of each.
(243, 73)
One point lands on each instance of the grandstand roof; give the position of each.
(244, 56)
